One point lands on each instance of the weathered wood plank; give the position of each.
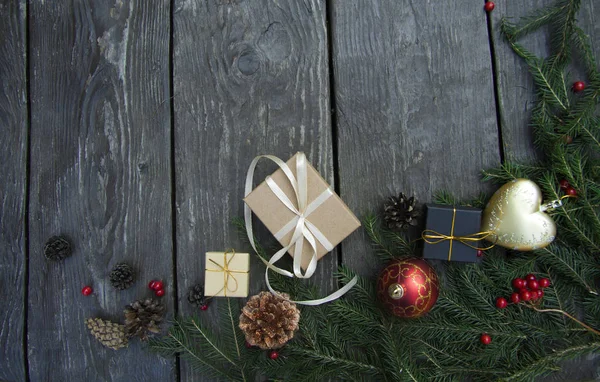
(13, 135)
(414, 102)
(249, 78)
(100, 174)
(515, 84)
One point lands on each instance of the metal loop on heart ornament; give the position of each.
(554, 204)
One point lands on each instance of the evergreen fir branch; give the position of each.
(563, 26)
(382, 248)
(532, 23)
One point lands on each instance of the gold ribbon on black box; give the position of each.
(434, 237)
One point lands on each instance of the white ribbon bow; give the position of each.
(303, 229)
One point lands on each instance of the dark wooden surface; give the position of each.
(145, 115)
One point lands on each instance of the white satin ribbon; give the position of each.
(302, 228)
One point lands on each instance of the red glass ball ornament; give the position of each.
(571, 191)
(518, 283)
(489, 6)
(564, 184)
(408, 288)
(485, 339)
(544, 283)
(501, 303)
(533, 284)
(158, 285)
(515, 298)
(273, 354)
(151, 284)
(87, 290)
(530, 277)
(204, 307)
(525, 295)
(540, 293)
(159, 293)
(578, 86)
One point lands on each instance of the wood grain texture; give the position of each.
(13, 139)
(100, 174)
(515, 85)
(250, 78)
(415, 104)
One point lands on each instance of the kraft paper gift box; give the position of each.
(455, 221)
(333, 218)
(227, 274)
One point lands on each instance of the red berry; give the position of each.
(479, 253)
(540, 293)
(525, 295)
(533, 295)
(564, 184)
(489, 6)
(578, 86)
(518, 283)
(87, 290)
(159, 293)
(571, 191)
(273, 354)
(501, 303)
(544, 283)
(530, 276)
(568, 139)
(151, 284)
(158, 285)
(204, 307)
(533, 284)
(515, 298)
(248, 345)
(485, 339)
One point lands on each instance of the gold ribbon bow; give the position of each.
(227, 273)
(434, 237)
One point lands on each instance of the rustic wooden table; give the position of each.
(129, 125)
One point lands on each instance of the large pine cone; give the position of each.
(108, 333)
(401, 212)
(143, 317)
(122, 276)
(269, 321)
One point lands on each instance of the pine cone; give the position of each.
(269, 321)
(196, 295)
(57, 248)
(122, 276)
(143, 317)
(400, 212)
(108, 333)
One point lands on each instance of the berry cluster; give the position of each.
(526, 289)
(567, 188)
(158, 287)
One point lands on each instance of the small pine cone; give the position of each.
(401, 212)
(108, 333)
(57, 248)
(143, 317)
(196, 295)
(269, 321)
(122, 276)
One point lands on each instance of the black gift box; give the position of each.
(446, 221)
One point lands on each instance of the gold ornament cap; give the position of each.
(396, 291)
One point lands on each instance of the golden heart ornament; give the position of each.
(514, 216)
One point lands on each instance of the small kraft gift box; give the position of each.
(226, 274)
(452, 233)
(326, 215)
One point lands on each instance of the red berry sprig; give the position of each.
(87, 290)
(273, 354)
(489, 6)
(528, 288)
(578, 86)
(158, 287)
(485, 339)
